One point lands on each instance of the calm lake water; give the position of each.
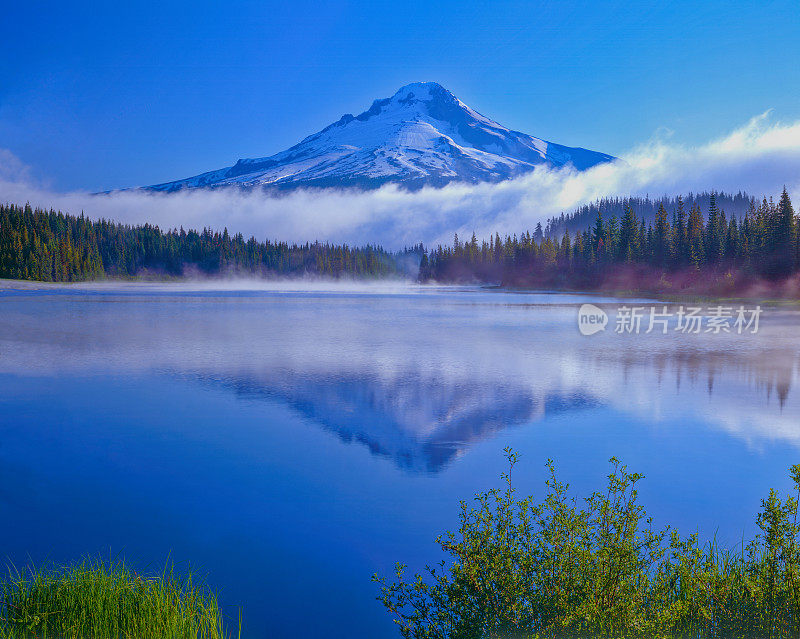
(290, 442)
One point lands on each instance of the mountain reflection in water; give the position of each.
(415, 375)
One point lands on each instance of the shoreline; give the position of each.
(259, 283)
(660, 295)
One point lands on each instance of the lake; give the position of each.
(290, 440)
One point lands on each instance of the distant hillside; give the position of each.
(696, 251)
(645, 208)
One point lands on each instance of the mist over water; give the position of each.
(267, 433)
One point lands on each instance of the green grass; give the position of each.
(106, 599)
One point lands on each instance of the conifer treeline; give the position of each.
(51, 246)
(764, 243)
(644, 207)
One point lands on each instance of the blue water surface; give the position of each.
(288, 441)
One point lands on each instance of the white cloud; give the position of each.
(759, 157)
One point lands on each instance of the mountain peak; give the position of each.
(421, 136)
(420, 86)
(421, 91)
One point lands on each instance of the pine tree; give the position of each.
(599, 238)
(661, 238)
(627, 236)
(782, 244)
(713, 241)
(694, 237)
(679, 249)
(565, 250)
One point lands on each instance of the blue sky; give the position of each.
(98, 97)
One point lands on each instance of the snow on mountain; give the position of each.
(422, 135)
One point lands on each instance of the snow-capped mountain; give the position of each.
(422, 135)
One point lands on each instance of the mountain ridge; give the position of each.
(421, 136)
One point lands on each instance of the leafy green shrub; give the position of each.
(596, 567)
